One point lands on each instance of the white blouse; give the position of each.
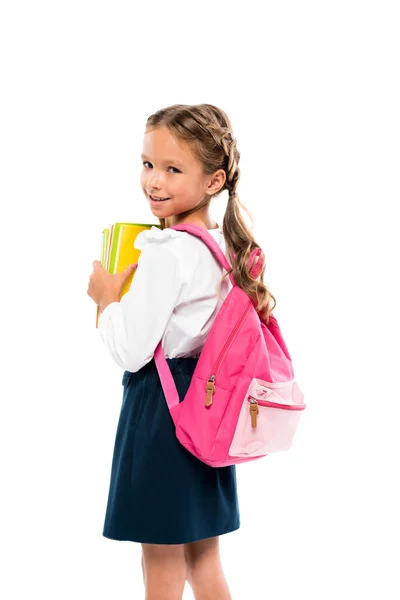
(173, 297)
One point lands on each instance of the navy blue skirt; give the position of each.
(159, 492)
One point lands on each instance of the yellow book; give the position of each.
(117, 250)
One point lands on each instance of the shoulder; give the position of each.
(161, 252)
(156, 236)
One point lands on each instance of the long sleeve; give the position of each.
(133, 327)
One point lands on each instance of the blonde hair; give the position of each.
(208, 132)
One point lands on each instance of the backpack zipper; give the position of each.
(254, 410)
(210, 389)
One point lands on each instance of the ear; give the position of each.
(216, 182)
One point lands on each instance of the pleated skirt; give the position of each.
(160, 493)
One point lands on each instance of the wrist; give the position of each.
(104, 302)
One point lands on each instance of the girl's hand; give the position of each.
(104, 287)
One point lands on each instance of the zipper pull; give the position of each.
(210, 390)
(254, 410)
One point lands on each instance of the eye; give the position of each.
(147, 162)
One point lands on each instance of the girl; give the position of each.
(160, 495)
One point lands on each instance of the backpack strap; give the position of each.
(208, 239)
(167, 381)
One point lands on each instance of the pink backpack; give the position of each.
(243, 401)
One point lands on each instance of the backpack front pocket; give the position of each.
(268, 418)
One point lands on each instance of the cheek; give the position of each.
(182, 187)
(143, 181)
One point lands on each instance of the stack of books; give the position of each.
(118, 252)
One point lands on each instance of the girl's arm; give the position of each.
(132, 327)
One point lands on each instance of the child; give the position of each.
(160, 494)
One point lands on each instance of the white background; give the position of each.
(312, 90)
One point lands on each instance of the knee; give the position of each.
(202, 560)
(164, 565)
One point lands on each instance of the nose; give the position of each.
(153, 180)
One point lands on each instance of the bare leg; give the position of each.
(204, 570)
(164, 571)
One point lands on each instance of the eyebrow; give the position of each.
(168, 161)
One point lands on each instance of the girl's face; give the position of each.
(171, 171)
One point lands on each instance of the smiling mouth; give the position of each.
(158, 199)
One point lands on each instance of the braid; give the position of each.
(223, 137)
